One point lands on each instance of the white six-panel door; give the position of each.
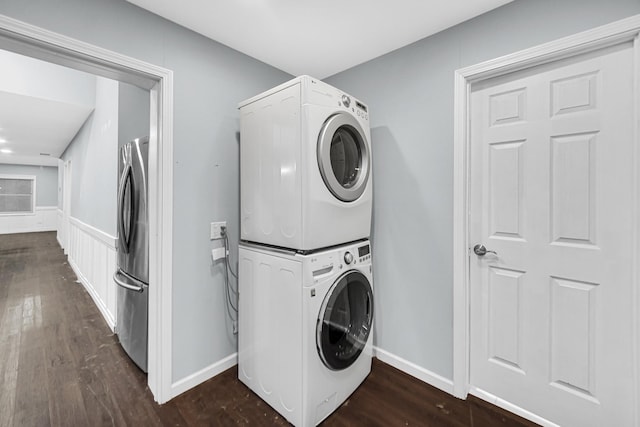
(551, 181)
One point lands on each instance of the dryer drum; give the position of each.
(346, 156)
(345, 320)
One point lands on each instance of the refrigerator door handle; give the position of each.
(124, 239)
(136, 286)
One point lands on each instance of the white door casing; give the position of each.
(29, 40)
(548, 162)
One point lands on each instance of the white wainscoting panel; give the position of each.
(44, 219)
(92, 255)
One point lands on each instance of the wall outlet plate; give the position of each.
(218, 253)
(216, 229)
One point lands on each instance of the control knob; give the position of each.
(346, 101)
(348, 258)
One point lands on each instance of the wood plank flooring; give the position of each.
(60, 365)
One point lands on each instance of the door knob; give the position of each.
(480, 250)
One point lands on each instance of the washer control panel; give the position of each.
(364, 253)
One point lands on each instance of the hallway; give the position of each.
(60, 365)
(57, 355)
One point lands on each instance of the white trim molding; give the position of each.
(203, 375)
(623, 31)
(26, 39)
(414, 370)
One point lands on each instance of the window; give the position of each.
(17, 194)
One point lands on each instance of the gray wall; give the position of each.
(94, 162)
(410, 96)
(46, 181)
(133, 113)
(121, 113)
(209, 80)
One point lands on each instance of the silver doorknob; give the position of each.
(480, 250)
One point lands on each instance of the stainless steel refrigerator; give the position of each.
(132, 275)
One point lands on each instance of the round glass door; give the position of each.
(345, 320)
(343, 157)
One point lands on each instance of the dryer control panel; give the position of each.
(358, 108)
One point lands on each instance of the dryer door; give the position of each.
(343, 157)
(345, 320)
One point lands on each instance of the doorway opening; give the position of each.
(35, 42)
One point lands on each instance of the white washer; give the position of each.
(305, 327)
(305, 167)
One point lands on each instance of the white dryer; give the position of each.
(305, 327)
(305, 167)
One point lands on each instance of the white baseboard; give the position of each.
(108, 317)
(220, 366)
(414, 370)
(488, 397)
(202, 375)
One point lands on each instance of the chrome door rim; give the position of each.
(329, 128)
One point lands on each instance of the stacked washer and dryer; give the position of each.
(305, 276)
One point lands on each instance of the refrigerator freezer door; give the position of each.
(133, 235)
(132, 329)
(125, 214)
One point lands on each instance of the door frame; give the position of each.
(29, 40)
(623, 31)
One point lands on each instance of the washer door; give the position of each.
(345, 320)
(343, 157)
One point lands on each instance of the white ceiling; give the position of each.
(32, 127)
(319, 38)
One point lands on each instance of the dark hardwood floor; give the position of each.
(60, 365)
